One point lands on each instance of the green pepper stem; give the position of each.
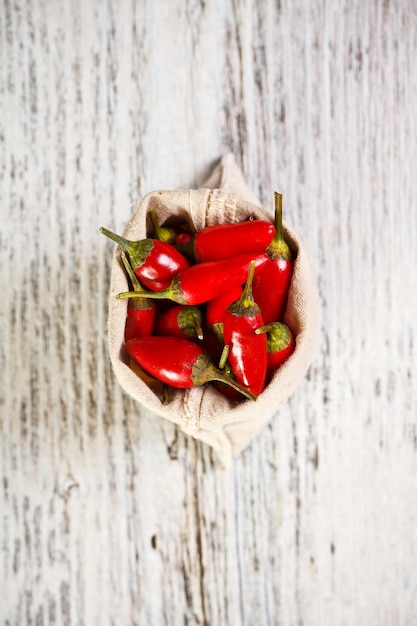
(246, 298)
(264, 329)
(218, 330)
(223, 378)
(214, 374)
(204, 371)
(123, 243)
(279, 336)
(278, 216)
(245, 306)
(162, 233)
(224, 356)
(137, 287)
(165, 394)
(189, 321)
(278, 248)
(173, 292)
(156, 295)
(199, 330)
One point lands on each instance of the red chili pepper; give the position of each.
(153, 383)
(247, 350)
(141, 312)
(178, 362)
(222, 241)
(154, 262)
(180, 321)
(205, 281)
(272, 282)
(216, 310)
(183, 239)
(280, 344)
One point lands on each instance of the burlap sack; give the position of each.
(203, 412)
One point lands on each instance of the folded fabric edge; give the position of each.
(227, 176)
(216, 439)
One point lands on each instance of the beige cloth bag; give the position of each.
(202, 412)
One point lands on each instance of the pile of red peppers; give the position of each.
(208, 307)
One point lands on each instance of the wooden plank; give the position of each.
(109, 515)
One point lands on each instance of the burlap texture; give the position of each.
(203, 412)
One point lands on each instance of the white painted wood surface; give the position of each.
(109, 515)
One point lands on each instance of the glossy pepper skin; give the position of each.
(183, 239)
(180, 363)
(216, 310)
(222, 241)
(202, 282)
(140, 316)
(272, 282)
(280, 345)
(154, 262)
(247, 350)
(180, 321)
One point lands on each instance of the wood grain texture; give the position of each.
(109, 515)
